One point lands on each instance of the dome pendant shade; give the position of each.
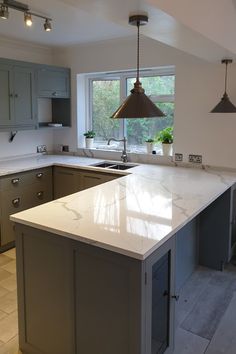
(225, 105)
(137, 104)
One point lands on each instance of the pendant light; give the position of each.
(225, 105)
(137, 104)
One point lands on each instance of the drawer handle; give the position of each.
(55, 93)
(40, 194)
(39, 175)
(15, 180)
(16, 202)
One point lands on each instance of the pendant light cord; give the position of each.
(226, 74)
(138, 25)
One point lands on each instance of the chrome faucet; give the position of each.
(124, 156)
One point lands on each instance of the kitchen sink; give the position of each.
(115, 166)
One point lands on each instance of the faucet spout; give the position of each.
(124, 156)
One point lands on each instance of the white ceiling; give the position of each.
(184, 24)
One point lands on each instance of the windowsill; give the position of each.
(140, 157)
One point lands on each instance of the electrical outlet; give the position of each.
(195, 158)
(41, 148)
(178, 157)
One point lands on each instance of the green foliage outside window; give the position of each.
(106, 99)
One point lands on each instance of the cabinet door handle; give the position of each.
(16, 202)
(15, 180)
(16, 95)
(11, 95)
(40, 194)
(39, 175)
(176, 297)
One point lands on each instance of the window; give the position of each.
(108, 91)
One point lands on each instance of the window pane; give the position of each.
(155, 85)
(140, 129)
(106, 99)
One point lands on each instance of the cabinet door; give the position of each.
(53, 82)
(91, 179)
(160, 299)
(24, 96)
(6, 95)
(65, 181)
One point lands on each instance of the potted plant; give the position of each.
(150, 145)
(165, 136)
(89, 138)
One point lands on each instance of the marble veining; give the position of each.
(132, 215)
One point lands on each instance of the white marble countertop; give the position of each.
(132, 215)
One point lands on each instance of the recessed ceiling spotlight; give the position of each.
(28, 19)
(47, 25)
(4, 13)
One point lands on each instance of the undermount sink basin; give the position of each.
(115, 166)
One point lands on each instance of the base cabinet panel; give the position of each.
(91, 300)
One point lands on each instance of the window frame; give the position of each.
(123, 76)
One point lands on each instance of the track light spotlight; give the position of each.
(28, 19)
(28, 13)
(4, 13)
(47, 25)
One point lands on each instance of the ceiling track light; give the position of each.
(18, 6)
(137, 104)
(225, 105)
(28, 19)
(4, 13)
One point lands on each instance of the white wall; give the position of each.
(199, 87)
(25, 142)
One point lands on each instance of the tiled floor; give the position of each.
(195, 313)
(8, 304)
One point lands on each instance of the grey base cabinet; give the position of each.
(71, 180)
(75, 298)
(19, 192)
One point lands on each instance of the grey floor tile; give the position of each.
(224, 339)
(189, 343)
(206, 314)
(191, 291)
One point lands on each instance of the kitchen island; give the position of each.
(99, 270)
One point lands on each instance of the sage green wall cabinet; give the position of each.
(90, 299)
(53, 82)
(71, 180)
(19, 192)
(17, 97)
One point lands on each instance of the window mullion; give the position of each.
(123, 95)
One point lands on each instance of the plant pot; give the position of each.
(166, 149)
(89, 143)
(150, 147)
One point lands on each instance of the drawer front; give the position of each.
(41, 195)
(13, 202)
(18, 181)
